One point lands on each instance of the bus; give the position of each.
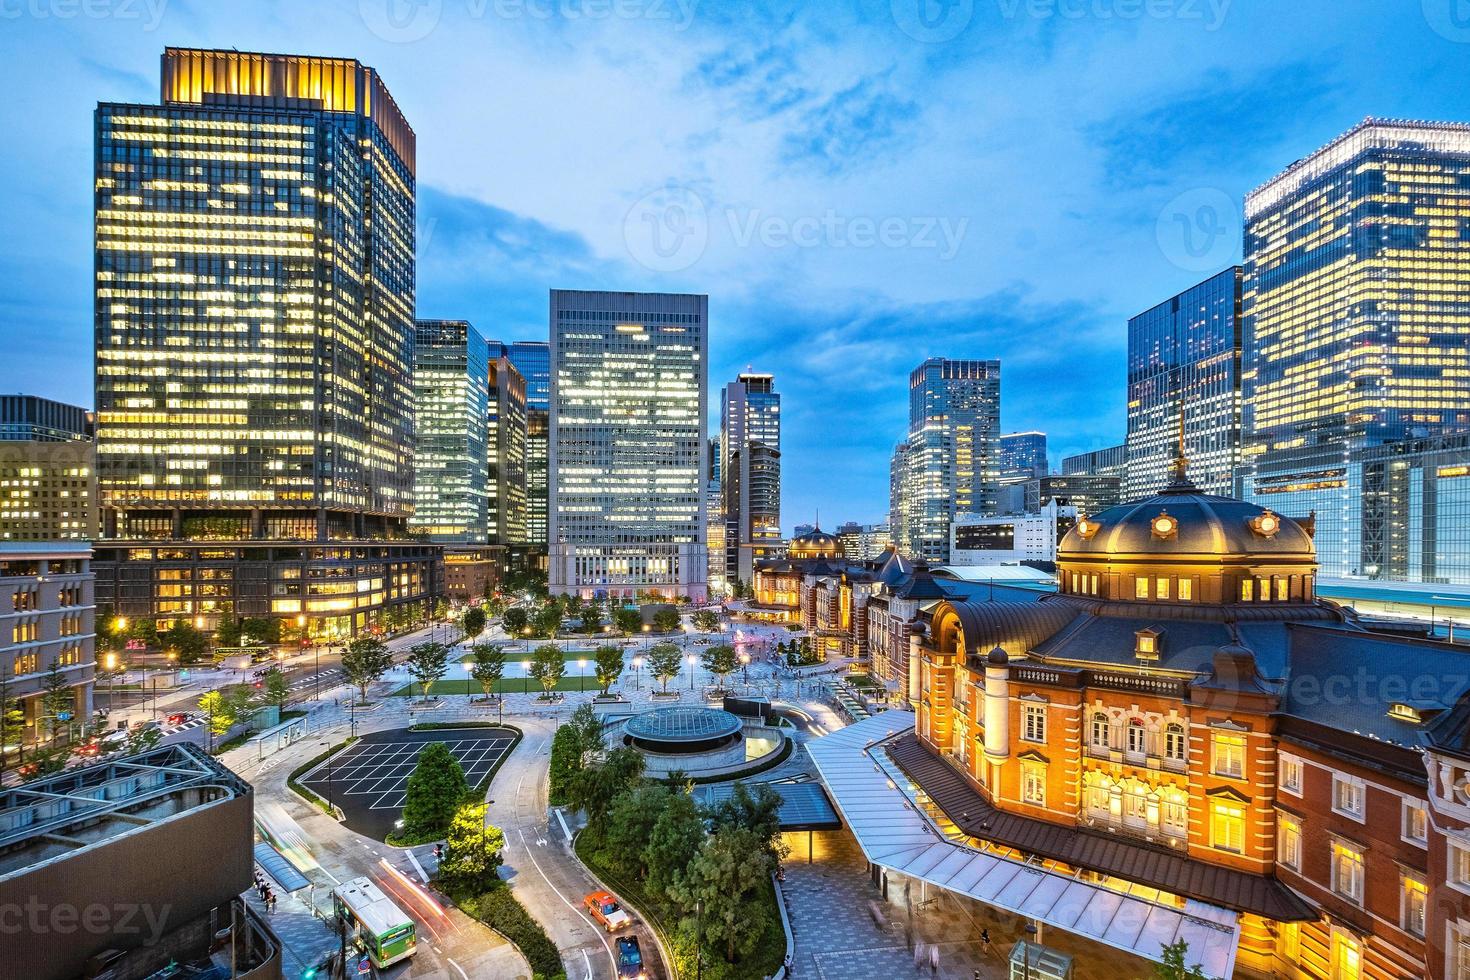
(372, 920)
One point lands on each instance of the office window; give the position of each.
(1289, 842)
(1033, 723)
(1282, 585)
(1290, 778)
(1347, 871)
(1413, 897)
(1247, 590)
(1348, 795)
(1161, 588)
(1416, 822)
(1229, 754)
(1227, 827)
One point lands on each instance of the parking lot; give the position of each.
(369, 779)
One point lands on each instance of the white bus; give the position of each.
(374, 921)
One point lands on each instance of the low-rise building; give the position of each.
(47, 634)
(1033, 537)
(48, 471)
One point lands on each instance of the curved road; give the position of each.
(544, 874)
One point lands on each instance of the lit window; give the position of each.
(1347, 871)
(1414, 897)
(1227, 827)
(1033, 723)
(1229, 755)
(1186, 589)
(1291, 774)
(1282, 586)
(1416, 822)
(1247, 590)
(1347, 795)
(1289, 842)
(1174, 814)
(1161, 588)
(1033, 784)
(1140, 588)
(1347, 957)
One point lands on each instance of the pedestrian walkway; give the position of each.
(306, 938)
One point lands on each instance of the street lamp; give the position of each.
(690, 661)
(745, 668)
(582, 674)
(526, 671)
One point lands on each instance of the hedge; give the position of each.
(306, 767)
(499, 909)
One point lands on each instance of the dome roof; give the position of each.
(814, 543)
(1182, 521)
(817, 538)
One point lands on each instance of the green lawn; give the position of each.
(512, 685)
(571, 656)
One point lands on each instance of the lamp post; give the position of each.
(691, 662)
(637, 673)
(582, 674)
(745, 668)
(526, 671)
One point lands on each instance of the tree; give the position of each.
(609, 665)
(260, 631)
(12, 720)
(229, 632)
(1173, 967)
(753, 807)
(627, 620)
(225, 709)
(566, 762)
(675, 840)
(427, 663)
(436, 789)
(364, 661)
(548, 620)
(188, 643)
(142, 739)
(586, 729)
(473, 622)
(47, 761)
(594, 788)
(721, 661)
(664, 662)
(471, 850)
(547, 667)
(666, 620)
(706, 620)
(723, 887)
(571, 605)
(57, 698)
(488, 667)
(515, 621)
(591, 620)
(276, 689)
(629, 827)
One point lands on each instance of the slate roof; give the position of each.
(1136, 861)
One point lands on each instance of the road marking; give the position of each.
(417, 867)
(459, 968)
(589, 964)
(575, 910)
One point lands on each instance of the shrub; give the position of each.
(499, 909)
(566, 762)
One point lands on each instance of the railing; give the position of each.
(1170, 687)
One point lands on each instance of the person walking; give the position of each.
(934, 960)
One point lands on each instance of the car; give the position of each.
(92, 749)
(630, 959)
(178, 717)
(605, 910)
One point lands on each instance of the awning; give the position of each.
(804, 806)
(896, 835)
(281, 871)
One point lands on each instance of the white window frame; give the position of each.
(1288, 763)
(1410, 811)
(1412, 922)
(1351, 890)
(1100, 717)
(1457, 864)
(1138, 733)
(1342, 781)
(1182, 735)
(1232, 818)
(1033, 777)
(1289, 842)
(1220, 757)
(1033, 715)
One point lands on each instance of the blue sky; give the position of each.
(857, 184)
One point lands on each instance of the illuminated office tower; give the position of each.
(899, 509)
(1022, 456)
(451, 381)
(48, 471)
(714, 519)
(1184, 355)
(507, 454)
(627, 465)
(953, 458)
(750, 463)
(533, 359)
(1112, 461)
(254, 345)
(1356, 309)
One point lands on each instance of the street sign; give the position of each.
(63, 716)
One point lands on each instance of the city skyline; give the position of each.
(802, 311)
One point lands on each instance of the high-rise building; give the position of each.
(953, 457)
(532, 358)
(750, 468)
(48, 471)
(254, 345)
(863, 542)
(1022, 456)
(714, 507)
(899, 504)
(1089, 493)
(1184, 361)
(1112, 461)
(1356, 315)
(627, 467)
(451, 380)
(507, 454)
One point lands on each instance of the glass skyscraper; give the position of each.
(952, 462)
(1356, 309)
(1022, 456)
(507, 454)
(1184, 356)
(532, 358)
(750, 465)
(451, 380)
(254, 341)
(628, 443)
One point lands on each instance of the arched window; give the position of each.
(1101, 731)
(1137, 736)
(1174, 745)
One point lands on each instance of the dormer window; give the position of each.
(1148, 643)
